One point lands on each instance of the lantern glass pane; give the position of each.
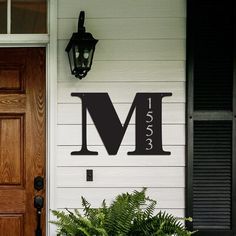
(78, 57)
(3, 16)
(28, 16)
(71, 60)
(82, 57)
(90, 57)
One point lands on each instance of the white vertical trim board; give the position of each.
(51, 113)
(8, 16)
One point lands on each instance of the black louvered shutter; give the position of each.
(212, 174)
(211, 160)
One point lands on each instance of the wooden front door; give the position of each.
(22, 138)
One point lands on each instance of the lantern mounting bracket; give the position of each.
(81, 28)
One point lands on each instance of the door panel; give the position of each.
(11, 225)
(22, 138)
(11, 158)
(12, 77)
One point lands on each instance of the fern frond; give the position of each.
(148, 212)
(123, 211)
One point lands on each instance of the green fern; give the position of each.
(130, 214)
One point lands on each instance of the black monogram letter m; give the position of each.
(148, 122)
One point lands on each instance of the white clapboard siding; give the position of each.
(71, 198)
(126, 28)
(64, 157)
(122, 8)
(123, 71)
(121, 92)
(71, 135)
(136, 50)
(134, 177)
(141, 48)
(172, 113)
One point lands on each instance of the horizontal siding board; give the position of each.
(71, 135)
(71, 113)
(122, 8)
(70, 197)
(121, 92)
(172, 177)
(126, 28)
(136, 50)
(179, 213)
(123, 71)
(64, 157)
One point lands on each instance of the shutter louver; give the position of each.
(213, 55)
(212, 175)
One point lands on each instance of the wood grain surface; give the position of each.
(22, 138)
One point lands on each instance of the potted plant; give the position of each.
(130, 214)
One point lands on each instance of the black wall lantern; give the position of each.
(80, 50)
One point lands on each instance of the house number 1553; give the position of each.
(149, 127)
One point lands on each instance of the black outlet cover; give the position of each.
(89, 175)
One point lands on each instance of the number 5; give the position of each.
(149, 128)
(149, 117)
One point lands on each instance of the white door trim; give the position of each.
(51, 113)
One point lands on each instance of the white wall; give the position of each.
(141, 48)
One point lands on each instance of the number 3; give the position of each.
(149, 142)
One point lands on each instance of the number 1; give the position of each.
(149, 103)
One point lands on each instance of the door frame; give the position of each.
(49, 41)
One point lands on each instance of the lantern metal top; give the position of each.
(81, 34)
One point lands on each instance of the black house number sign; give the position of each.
(148, 123)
